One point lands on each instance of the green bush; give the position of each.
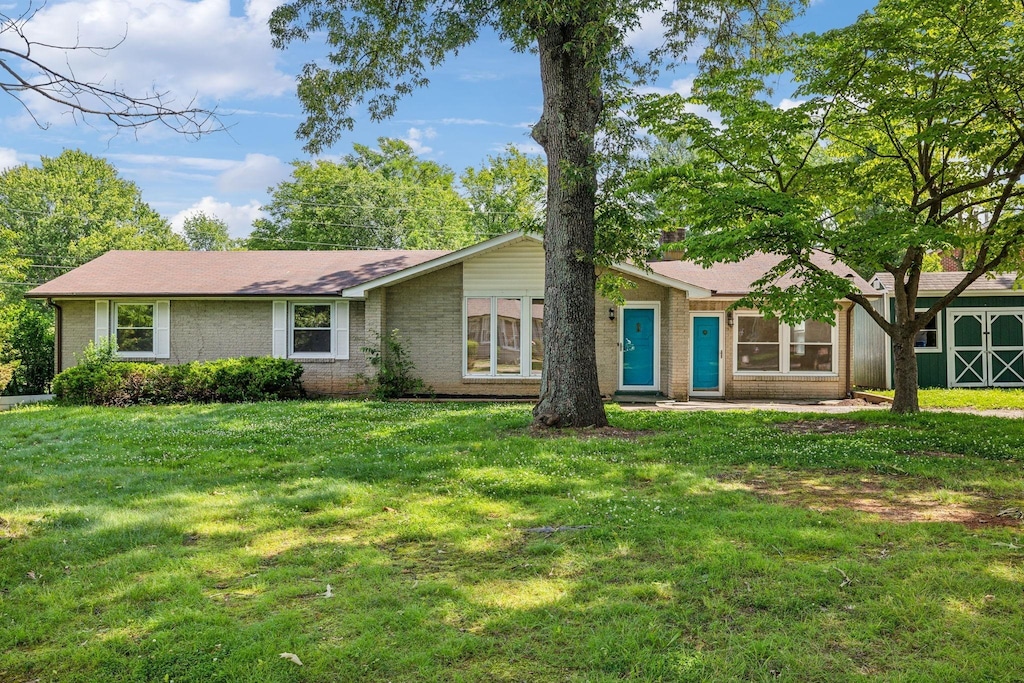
(99, 380)
(393, 371)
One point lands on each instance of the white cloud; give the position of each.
(788, 103)
(8, 158)
(255, 172)
(189, 49)
(469, 122)
(238, 218)
(414, 137)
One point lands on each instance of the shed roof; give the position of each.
(229, 273)
(945, 281)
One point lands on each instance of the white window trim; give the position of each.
(939, 346)
(784, 344)
(525, 356)
(161, 328)
(282, 318)
(291, 329)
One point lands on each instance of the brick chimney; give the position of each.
(670, 237)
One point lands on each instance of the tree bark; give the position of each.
(570, 396)
(904, 357)
(904, 373)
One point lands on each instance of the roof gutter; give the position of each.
(58, 326)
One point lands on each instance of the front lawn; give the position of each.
(197, 543)
(982, 399)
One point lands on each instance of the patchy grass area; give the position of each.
(197, 543)
(982, 399)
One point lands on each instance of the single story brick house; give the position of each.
(471, 320)
(977, 341)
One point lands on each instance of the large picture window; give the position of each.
(766, 345)
(498, 343)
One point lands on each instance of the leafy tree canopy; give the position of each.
(507, 193)
(204, 232)
(904, 138)
(72, 208)
(383, 198)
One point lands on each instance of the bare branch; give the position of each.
(22, 73)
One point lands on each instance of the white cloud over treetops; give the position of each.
(238, 218)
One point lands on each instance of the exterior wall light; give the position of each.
(611, 314)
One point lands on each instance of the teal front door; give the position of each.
(638, 348)
(707, 369)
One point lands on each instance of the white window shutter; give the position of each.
(162, 329)
(102, 321)
(280, 345)
(341, 330)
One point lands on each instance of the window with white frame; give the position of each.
(926, 340)
(310, 329)
(140, 329)
(503, 336)
(135, 327)
(769, 346)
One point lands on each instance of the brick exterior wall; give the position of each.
(427, 312)
(77, 330)
(209, 330)
(780, 387)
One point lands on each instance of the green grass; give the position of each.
(196, 544)
(984, 399)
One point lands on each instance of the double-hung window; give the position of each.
(310, 332)
(136, 328)
(503, 336)
(140, 329)
(765, 345)
(310, 329)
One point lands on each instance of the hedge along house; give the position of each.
(977, 341)
(471, 320)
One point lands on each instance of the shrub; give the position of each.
(98, 379)
(393, 371)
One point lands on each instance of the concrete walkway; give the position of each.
(834, 407)
(788, 407)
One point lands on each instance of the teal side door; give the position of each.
(638, 347)
(706, 369)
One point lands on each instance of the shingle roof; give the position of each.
(228, 273)
(945, 281)
(735, 279)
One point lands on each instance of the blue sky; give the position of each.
(218, 51)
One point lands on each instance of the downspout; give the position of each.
(58, 325)
(849, 351)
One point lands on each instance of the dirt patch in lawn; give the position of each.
(909, 501)
(826, 426)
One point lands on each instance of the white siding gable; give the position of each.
(516, 269)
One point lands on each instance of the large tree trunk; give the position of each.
(904, 373)
(569, 396)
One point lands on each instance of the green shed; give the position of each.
(977, 341)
